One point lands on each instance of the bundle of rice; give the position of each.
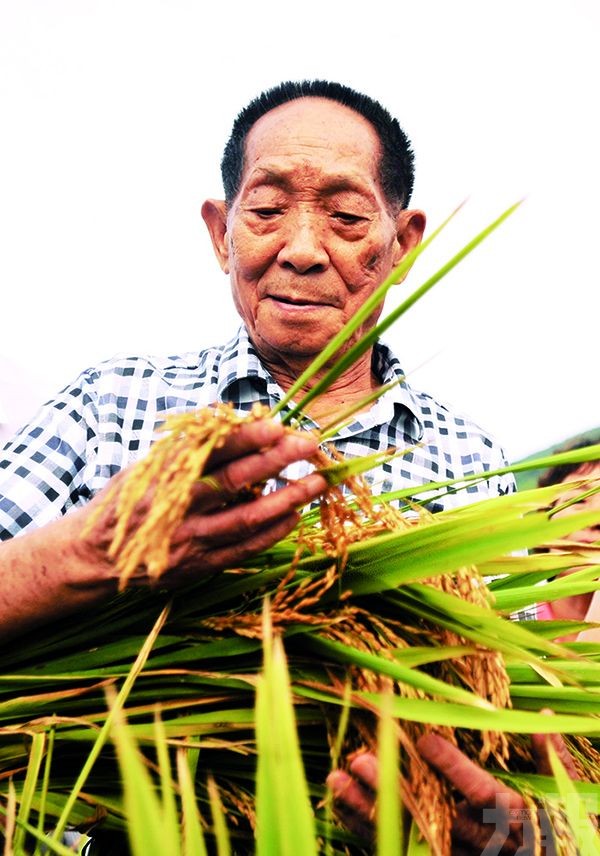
(368, 602)
(371, 604)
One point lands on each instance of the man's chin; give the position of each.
(293, 350)
(290, 349)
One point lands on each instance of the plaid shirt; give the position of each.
(107, 419)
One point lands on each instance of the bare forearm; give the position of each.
(45, 575)
(56, 570)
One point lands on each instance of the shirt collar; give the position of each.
(240, 361)
(387, 368)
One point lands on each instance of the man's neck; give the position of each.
(348, 390)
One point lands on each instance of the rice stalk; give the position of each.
(355, 590)
(303, 600)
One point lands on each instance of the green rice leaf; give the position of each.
(36, 754)
(586, 836)
(145, 819)
(449, 544)
(459, 716)
(575, 456)
(103, 735)
(578, 582)
(169, 812)
(48, 846)
(404, 674)
(46, 780)
(338, 472)
(218, 820)
(417, 846)
(482, 626)
(343, 418)
(389, 806)
(193, 843)
(335, 759)
(284, 818)
(421, 655)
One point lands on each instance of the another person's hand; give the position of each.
(491, 818)
(219, 530)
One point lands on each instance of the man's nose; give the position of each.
(303, 248)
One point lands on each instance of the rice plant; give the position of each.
(206, 721)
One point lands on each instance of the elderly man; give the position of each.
(317, 182)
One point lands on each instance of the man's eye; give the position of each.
(266, 213)
(347, 218)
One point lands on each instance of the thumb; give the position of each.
(540, 750)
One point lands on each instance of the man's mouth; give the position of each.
(298, 302)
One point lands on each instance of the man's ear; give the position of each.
(410, 226)
(214, 214)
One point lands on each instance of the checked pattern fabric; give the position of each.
(109, 416)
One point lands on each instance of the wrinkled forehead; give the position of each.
(309, 126)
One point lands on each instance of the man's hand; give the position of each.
(226, 523)
(55, 570)
(491, 819)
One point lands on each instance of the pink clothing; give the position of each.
(544, 612)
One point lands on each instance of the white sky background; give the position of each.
(113, 116)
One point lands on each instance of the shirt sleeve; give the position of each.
(42, 468)
(503, 484)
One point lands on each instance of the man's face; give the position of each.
(310, 234)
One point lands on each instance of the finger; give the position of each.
(471, 836)
(238, 523)
(200, 559)
(363, 829)
(245, 438)
(231, 555)
(349, 792)
(365, 768)
(478, 786)
(539, 746)
(354, 804)
(225, 483)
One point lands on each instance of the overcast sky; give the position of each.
(113, 115)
